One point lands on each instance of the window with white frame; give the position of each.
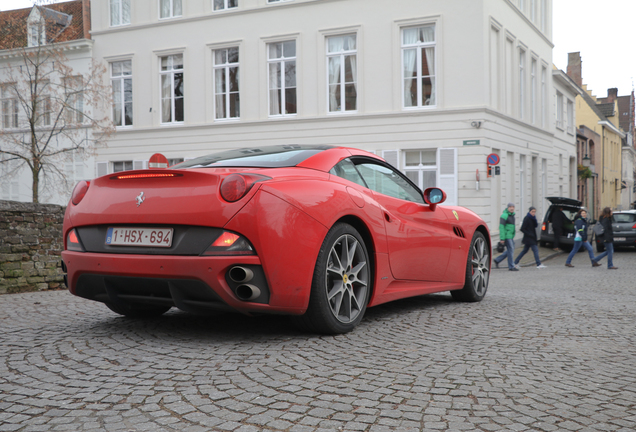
(418, 66)
(281, 59)
(225, 4)
(9, 106)
(342, 72)
(122, 166)
(74, 99)
(570, 116)
(43, 102)
(74, 169)
(533, 10)
(544, 15)
(226, 83)
(522, 184)
(172, 89)
(522, 82)
(533, 91)
(121, 81)
(544, 95)
(420, 166)
(10, 185)
(119, 12)
(559, 110)
(36, 33)
(170, 8)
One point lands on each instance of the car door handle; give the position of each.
(388, 217)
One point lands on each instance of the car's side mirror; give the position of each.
(434, 196)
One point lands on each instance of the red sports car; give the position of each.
(316, 232)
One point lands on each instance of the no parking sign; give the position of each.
(493, 159)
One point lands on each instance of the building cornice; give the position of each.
(613, 128)
(76, 45)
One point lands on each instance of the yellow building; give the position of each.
(604, 156)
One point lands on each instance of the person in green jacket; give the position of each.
(506, 236)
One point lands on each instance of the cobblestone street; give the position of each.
(547, 350)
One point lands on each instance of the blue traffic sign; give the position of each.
(493, 159)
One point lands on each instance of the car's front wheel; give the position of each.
(477, 271)
(341, 283)
(134, 310)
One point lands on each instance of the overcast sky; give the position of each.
(599, 30)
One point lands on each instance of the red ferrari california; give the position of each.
(316, 232)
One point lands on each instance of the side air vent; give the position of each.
(459, 232)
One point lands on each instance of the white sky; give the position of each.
(600, 30)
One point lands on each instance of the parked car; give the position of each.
(316, 232)
(624, 228)
(570, 208)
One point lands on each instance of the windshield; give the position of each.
(256, 157)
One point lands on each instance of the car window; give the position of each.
(624, 217)
(347, 170)
(384, 180)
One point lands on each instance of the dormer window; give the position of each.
(36, 28)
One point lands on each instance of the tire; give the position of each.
(341, 284)
(600, 247)
(136, 310)
(477, 271)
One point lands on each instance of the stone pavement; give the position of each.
(545, 253)
(547, 350)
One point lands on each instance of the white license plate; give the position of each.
(127, 236)
(620, 238)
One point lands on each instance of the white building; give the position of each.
(433, 86)
(65, 27)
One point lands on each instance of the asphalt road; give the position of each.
(548, 350)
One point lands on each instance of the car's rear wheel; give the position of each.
(341, 283)
(477, 271)
(135, 310)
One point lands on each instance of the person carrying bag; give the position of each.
(580, 239)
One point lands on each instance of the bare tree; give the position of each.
(51, 112)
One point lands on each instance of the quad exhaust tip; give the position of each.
(247, 292)
(240, 274)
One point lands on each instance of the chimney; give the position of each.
(574, 68)
(86, 18)
(612, 94)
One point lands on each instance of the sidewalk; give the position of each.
(527, 260)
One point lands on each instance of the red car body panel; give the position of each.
(415, 250)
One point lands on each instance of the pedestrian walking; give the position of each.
(558, 222)
(506, 236)
(529, 230)
(580, 239)
(608, 239)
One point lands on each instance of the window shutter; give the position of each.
(448, 174)
(140, 164)
(391, 156)
(102, 168)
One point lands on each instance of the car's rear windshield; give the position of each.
(624, 217)
(256, 157)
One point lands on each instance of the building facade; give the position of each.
(27, 34)
(434, 87)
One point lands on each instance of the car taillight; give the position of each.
(634, 226)
(73, 243)
(236, 186)
(229, 243)
(79, 191)
(544, 226)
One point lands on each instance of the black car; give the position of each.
(624, 228)
(570, 207)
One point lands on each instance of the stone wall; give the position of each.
(30, 247)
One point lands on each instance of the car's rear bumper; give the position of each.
(190, 283)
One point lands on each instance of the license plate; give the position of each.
(620, 238)
(126, 236)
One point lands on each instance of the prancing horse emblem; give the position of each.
(140, 199)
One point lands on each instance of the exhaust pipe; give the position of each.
(240, 274)
(247, 292)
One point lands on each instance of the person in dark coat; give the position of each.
(580, 239)
(559, 220)
(608, 238)
(529, 230)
